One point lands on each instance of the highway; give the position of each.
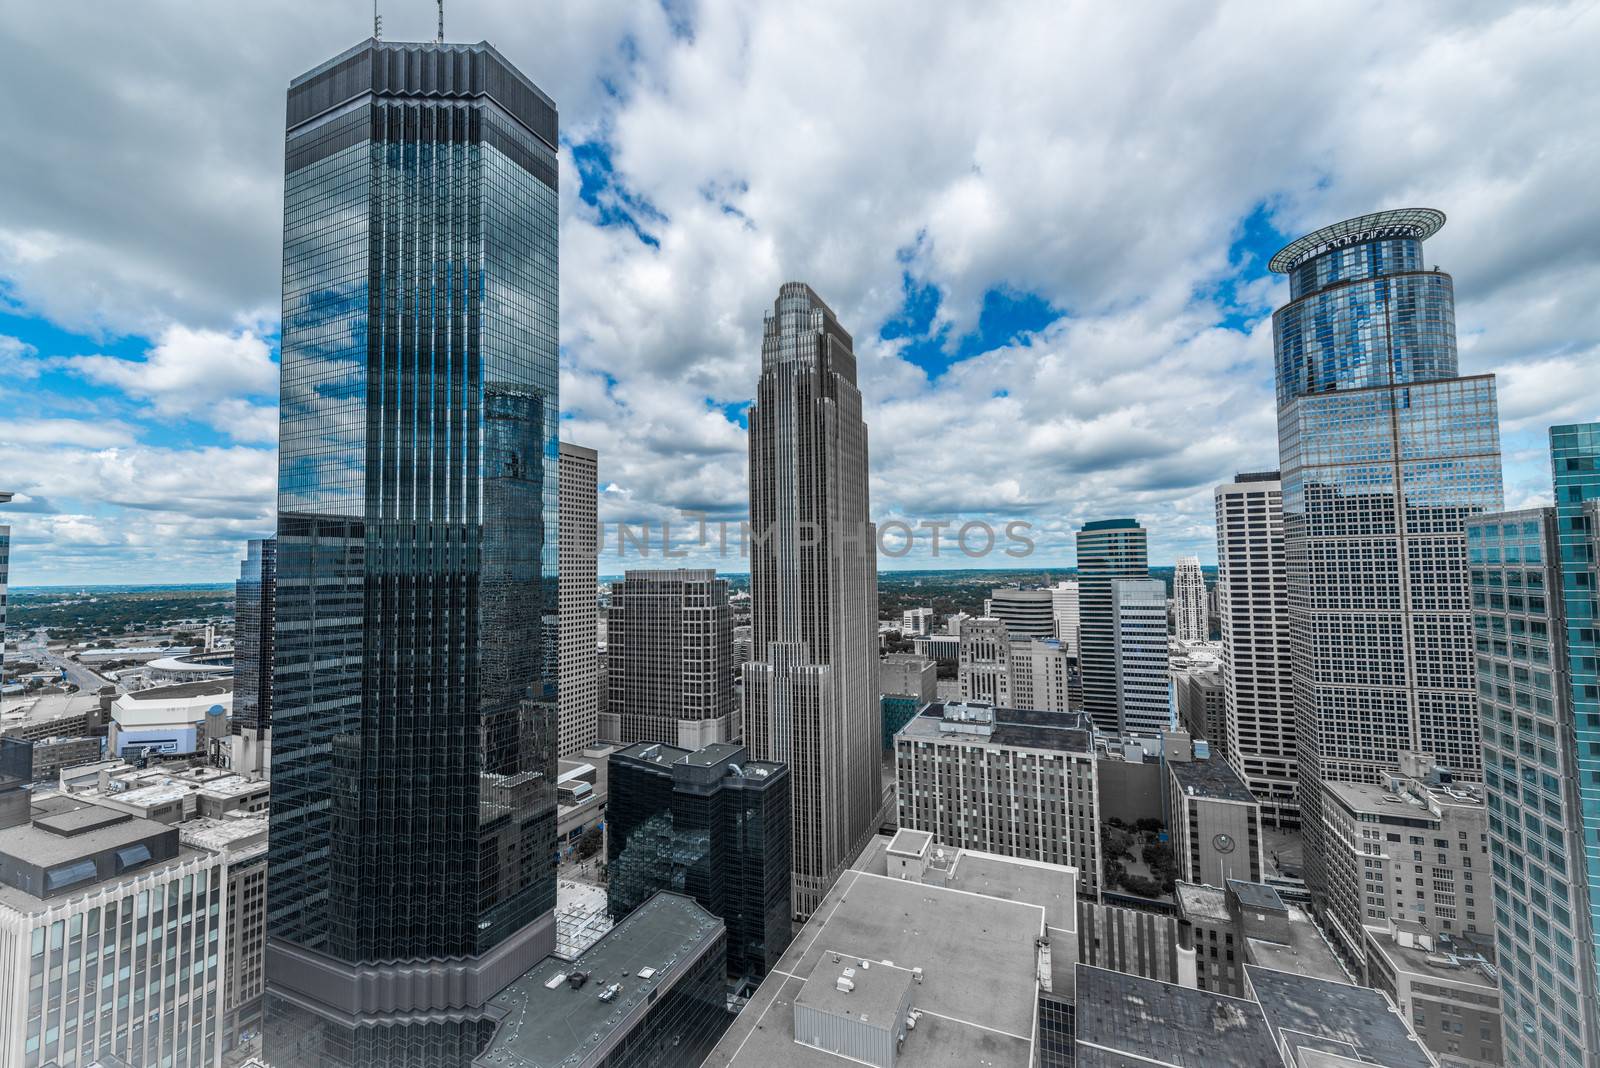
(34, 648)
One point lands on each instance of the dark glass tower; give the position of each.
(254, 614)
(712, 824)
(1108, 550)
(413, 811)
(1385, 454)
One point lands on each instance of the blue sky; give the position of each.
(1045, 224)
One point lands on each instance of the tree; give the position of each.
(590, 843)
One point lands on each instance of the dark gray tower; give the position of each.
(811, 695)
(255, 600)
(413, 809)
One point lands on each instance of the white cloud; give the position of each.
(1086, 153)
(198, 374)
(17, 358)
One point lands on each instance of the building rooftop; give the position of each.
(1437, 957)
(1416, 223)
(907, 841)
(234, 833)
(714, 754)
(1125, 1020)
(1024, 728)
(877, 989)
(1351, 1021)
(548, 1022)
(653, 753)
(1111, 524)
(1213, 779)
(979, 974)
(181, 691)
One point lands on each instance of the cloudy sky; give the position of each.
(1046, 225)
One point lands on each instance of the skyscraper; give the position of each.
(1534, 573)
(579, 719)
(1385, 453)
(414, 694)
(1257, 671)
(1189, 601)
(1139, 651)
(811, 698)
(669, 659)
(1108, 549)
(1026, 613)
(984, 668)
(255, 598)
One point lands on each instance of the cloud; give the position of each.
(17, 358)
(1126, 175)
(198, 374)
(79, 432)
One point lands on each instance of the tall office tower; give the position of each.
(1385, 453)
(1108, 549)
(811, 694)
(1026, 613)
(669, 654)
(579, 700)
(255, 598)
(1189, 601)
(1064, 606)
(414, 690)
(984, 668)
(1534, 573)
(710, 823)
(1139, 654)
(5, 572)
(1257, 672)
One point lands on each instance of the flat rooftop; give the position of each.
(182, 691)
(1126, 1020)
(1351, 1021)
(714, 754)
(877, 989)
(1024, 728)
(653, 753)
(1466, 963)
(548, 1023)
(1212, 778)
(978, 992)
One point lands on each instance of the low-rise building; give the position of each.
(1414, 850)
(171, 720)
(113, 940)
(944, 648)
(904, 675)
(1215, 822)
(648, 992)
(914, 621)
(1202, 703)
(919, 955)
(1015, 782)
(582, 790)
(1250, 923)
(1448, 989)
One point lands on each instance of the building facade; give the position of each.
(1189, 601)
(411, 871)
(1027, 613)
(1445, 988)
(1412, 851)
(984, 669)
(1043, 675)
(1533, 577)
(811, 696)
(1014, 782)
(1215, 822)
(5, 574)
(1201, 703)
(669, 659)
(1139, 656)
(255, 599)
(1064, 605)
(1108, 549)
(578, 722)
(712, 824)
(1385, 453)
(1257, 667)
(914, 621)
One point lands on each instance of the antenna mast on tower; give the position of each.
(441, 21)
(377, 22)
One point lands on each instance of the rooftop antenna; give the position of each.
(441, 21)
(377, 22)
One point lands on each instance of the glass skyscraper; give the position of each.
(413, 811)
(1385, 454)
(254, 613)
(1108, 550)
(1534, 577)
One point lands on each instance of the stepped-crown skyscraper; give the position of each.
(1385, 453)
(413, 766)
(811, 698)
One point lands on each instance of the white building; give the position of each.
(914, 621)
(579, 544)
(1064, 605)
(1139, 636)
(170, 720)
(1257, 671)
(1042, 675)
(1189, 600)
(1026, 613)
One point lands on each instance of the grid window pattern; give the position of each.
(1107, 550)
(669, 646)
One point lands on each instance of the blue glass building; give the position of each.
(413, 818)
(1385, 453)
